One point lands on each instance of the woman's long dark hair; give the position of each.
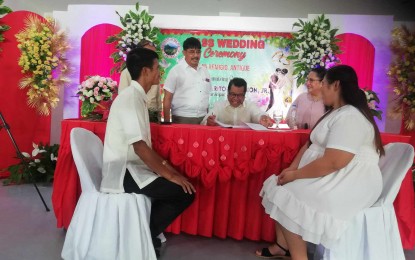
(354, 96)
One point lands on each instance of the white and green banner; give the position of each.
(258, 57)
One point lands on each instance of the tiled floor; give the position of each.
(27, 231)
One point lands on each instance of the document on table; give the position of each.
(257, 127)
(244, 126)
(252, 126)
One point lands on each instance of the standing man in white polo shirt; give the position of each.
(187, 87)
(129, 163)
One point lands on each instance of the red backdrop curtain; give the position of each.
(25, 124)
(359, 53)
(95, 53)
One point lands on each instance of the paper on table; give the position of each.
(257, 127)
(283, 126)
(252, 126)
(231, 126)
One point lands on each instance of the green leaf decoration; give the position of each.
(134, 15)
(136, 26)
(115, 55)
(296, 24)
(4, 28)
(111, 39)
(87, 108)
(27, 170)
(5, 10)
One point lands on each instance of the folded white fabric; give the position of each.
(110, 226)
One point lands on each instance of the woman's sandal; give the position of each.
(265, 253)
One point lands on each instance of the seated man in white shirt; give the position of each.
(129, 163)
(187, 87)
(153, 95)
(235, 110)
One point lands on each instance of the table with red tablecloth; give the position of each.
(227, 167)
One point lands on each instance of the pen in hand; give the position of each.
(211, 119)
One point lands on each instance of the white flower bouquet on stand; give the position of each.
(136, 27)
(313, 45)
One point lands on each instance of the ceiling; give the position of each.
(402, 10)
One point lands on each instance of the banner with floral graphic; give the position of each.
(258, 57)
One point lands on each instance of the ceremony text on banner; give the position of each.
(258, 57)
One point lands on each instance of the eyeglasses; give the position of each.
(194, 52)
(233, 95)
(312, 80)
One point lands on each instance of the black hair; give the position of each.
(237, 82)
(139, 58)
(144, 43)
(320, 71)
(192, 43)
(354, 96)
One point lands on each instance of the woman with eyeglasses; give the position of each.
(308, 106)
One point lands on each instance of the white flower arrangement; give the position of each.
(39, 166)
(136, 27)
(313, 45)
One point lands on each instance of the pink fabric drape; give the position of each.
(359, 53)
(95, 53)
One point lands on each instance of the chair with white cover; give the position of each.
(104, 226)
(374, 233)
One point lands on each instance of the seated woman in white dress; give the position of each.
(333, 177)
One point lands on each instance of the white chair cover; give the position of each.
(374, 234)
(104, 226)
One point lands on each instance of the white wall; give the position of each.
(262, 24)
